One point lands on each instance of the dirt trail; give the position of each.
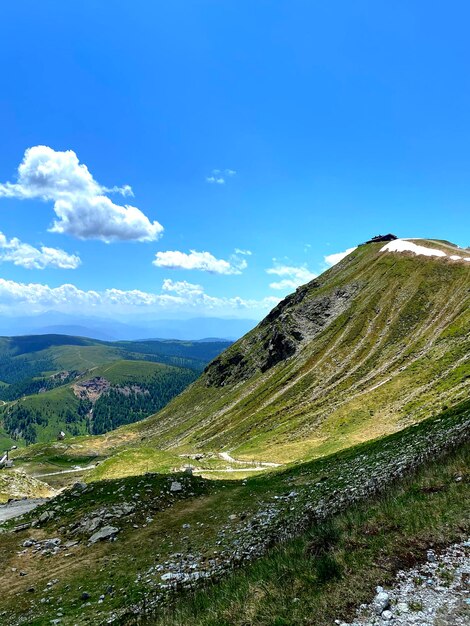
(226, 457)
(69, 471)
(20, 507)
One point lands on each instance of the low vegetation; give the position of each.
(319, 526)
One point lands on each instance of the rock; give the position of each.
(387, 615)
(28, 543)
(431, 556)
(79, 486)
(85, 596)
(50, 544)
(89, 525)
(107, 532)
(176, 486)
(403, 607)
(46, 516)
(381, 602)
(123, 509)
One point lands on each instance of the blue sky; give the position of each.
(327, 122)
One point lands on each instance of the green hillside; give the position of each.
(376, 343)
(102, 398)
(326, 531)
(357, 384)
(30, 356)
(38, 374)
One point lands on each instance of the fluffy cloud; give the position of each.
(80, 202)
(25, 255)
(219, 177)
(182, 287)
(332, 259)
(293, 276)
(203, 261)
(175, 296)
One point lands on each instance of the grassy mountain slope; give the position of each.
(37, 355)
(379, 341)
(96, 401)
(169, 540)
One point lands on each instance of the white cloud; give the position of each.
(220, 176)
(203, 261)
(23, 254)
(81, 206)
(182, 287)
(293, 276)
(176, 296)
(332, 259)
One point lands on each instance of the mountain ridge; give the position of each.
(403, 317)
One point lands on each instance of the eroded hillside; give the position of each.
(377, 342)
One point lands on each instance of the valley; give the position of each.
(56, 384)
(321, 448)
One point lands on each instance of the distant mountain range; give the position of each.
(52, 384)
(54, 322)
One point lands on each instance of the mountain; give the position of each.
(54, 322)
(378, 342)
(79, 386)
(35, 355)
(357, 384)
(99, 400)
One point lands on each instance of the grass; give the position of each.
(327, 572)
(207, 517)
(395, 355)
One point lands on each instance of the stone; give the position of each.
(381, 602)
(176, 486)
(85, 596)
(92, 524)
(107, 532)
(387, 615)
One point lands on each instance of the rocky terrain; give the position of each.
(436, 593)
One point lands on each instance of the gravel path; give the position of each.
(436, 593)
(19, 507)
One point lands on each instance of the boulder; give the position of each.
(381, 602)
(107, 532)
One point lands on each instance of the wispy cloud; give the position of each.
(219, 177)
(202, 261)
(332, 259)
(292, 275)
(23, 254)
(81, 206)
(175, 296)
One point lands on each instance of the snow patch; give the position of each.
(403, 245)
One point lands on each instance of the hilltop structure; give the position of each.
(379, 238)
